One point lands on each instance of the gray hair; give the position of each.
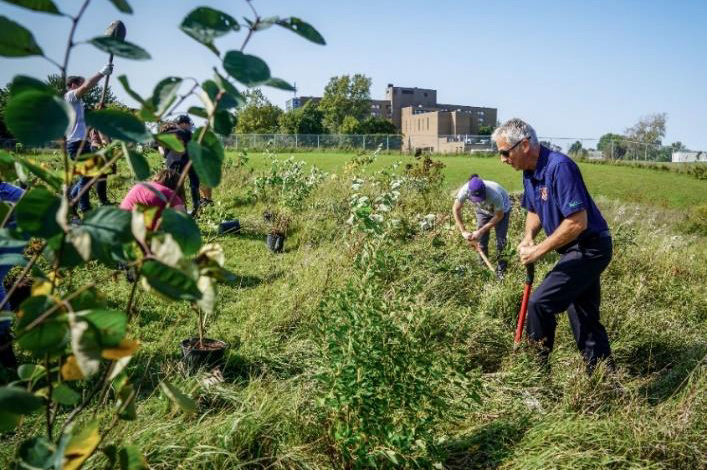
(513, 131)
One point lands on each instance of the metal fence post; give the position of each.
(317, 141)
(387, 142)
(364, 142)
(295, 140)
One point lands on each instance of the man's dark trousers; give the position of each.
(573, 285)
(501, 228)
(178, 166)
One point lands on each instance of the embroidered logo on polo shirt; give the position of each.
(543, 193)
(574, 204)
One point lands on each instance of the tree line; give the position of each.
(343, 109)
(642, 141)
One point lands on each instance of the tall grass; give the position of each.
(267, 409)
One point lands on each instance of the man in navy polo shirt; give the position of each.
(558, 202)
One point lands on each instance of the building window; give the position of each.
(425, 93)
(428, 124)
(406, 92)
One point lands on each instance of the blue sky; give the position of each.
(570, 68)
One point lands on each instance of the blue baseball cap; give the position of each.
(477, 189)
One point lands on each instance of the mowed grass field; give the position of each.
(639, 185)
(269, 408)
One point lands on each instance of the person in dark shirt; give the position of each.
(558, 202)
(177, 161)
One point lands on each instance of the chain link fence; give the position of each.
(387, 142)
(580, 147)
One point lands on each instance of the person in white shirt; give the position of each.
(77, 138)
(493, 210)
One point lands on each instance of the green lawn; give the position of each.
(645, 186)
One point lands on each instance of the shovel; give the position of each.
(529, 275)
(476, 246)
(115, 30)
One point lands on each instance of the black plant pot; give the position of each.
(208, 354)
(229, 226)
(275, 242)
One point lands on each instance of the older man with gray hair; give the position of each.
(558, 202)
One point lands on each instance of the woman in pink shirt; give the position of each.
(156, 193)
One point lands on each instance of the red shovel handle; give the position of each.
(530, 275)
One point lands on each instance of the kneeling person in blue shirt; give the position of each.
(493, 209)
(558, 202)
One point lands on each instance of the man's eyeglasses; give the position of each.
(507, 152)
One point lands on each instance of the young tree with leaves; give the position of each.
(259, 115)
(303, 120)
(345, 96)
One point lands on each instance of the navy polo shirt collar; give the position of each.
(539, 173)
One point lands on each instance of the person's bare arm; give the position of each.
(457, 212)
(532, 228)
(87, 85)
(568, 230)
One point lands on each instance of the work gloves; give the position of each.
(106, 70)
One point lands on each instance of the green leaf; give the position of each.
(109, 228)
(45, 6)
(122, 6)
(110, 324)
(226, 100)
(205, 24)
(52, 180)
(207, 158)
(85, 345)
(16, 40)
(223, 122)
(302, 28)
(65, 395)
(22, 83)
(36, 212)
(165, 94)
(123, 79)
(131, 458)
(280, 83)
(126, 402)
(225, 85)
(120, 48)
(18, 401)
(120, 125)
(198, 111)
(169, 281)
(35, 118)
(81, 446)
(247, 69)
(36, 453)
(137, 163)
(263, 23)
(184, 403)
(30, 372)
(183, 229)
(47, 337)
(171, 141)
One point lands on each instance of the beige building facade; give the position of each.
(446, 131)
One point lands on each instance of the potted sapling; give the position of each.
(279, 223)
(202, 351)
